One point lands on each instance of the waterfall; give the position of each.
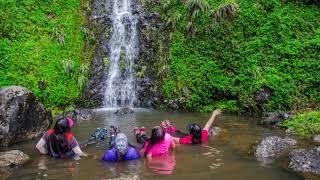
(123, 45)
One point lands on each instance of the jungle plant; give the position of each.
(68, 66)
(171, 21)
(191, 29)
(84, 69)
(82, 80)
(58, 34)
(88, 35)
(196, 7)
(226, 12)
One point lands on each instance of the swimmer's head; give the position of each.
(195, 131)
(157, 135)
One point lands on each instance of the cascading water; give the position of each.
(123, 45)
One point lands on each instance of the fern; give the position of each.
(191, 28)
(226, 12)
(84, 69)
(68, 66)
(197, 6)
(82, 80)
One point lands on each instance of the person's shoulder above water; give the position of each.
(111, 155)
(204, 136)
(186, 140)
(131, 154)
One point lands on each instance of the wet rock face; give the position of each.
(302, 160)
(273, 119)
(147, 91)
(124, 111)
(22, 117)
(12, 158)
(148, 95)
(101, 24)
(150, 41)
(273, 146)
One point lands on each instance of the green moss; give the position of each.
(36, 37)
(268, 43)
(304, 124)
(106, 62)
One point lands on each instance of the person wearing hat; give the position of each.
(120, 150)
(59, 142)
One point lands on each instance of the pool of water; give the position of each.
(224, 157)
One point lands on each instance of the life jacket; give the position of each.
(59, 146)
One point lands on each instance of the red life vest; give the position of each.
(67, 135)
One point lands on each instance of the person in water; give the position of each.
(59, 142)
(196, 134)
(159, 143)
(120, 150)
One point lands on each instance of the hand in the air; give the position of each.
(216, 112)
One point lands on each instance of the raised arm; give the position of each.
(211, 119)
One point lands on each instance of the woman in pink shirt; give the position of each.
(196, 134)
(158, 144)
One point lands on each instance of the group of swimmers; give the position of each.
(59, 142)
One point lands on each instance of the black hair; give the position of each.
(62, 126)
(157, 135)
(195, 132)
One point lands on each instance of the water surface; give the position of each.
(224, 157)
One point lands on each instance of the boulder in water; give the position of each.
(12, 158)
(307, 161)
(124, 111)
(80, 114)
(22, 117)
(290, 130)
(272, 147)
(273, 119)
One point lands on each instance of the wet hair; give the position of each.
(62, 126)
(195, 131)
(157, 135)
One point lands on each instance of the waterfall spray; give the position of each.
(120, 86)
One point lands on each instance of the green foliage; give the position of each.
(304, 124)
(274, 43)
(83, 76)
(197, 6)
(58, 34)
(106, 62)
(68, 66)
(226, 12)
(82, 80)
(84, 69)
(44, 41)
(88, 35)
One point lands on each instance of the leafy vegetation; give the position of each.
(304, 124)
(45, 42)
(224, 51)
